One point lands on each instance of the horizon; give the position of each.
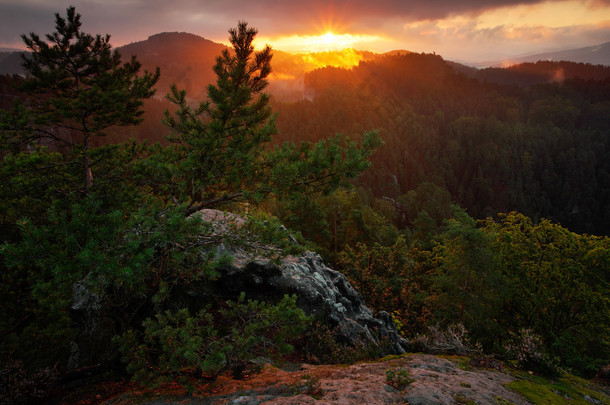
(472, 31)
(347, 57)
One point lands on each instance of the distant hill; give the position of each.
(184, 59)
(528, 73)
(595, 55)
(187, 59)
(10, 62)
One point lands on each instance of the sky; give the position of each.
(460, 30)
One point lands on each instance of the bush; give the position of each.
(178, 344)
(20, 386)
(529, 350)
(453, 339)
(319, 345)
(398, 378)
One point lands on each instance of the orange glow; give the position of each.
(346, 58)
(294, 67)
(325, 42)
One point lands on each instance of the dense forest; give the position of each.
(521, 150)
(537, 149)
(450, 197)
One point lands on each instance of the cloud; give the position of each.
(462, 40)
(277, 16)
(420, 25)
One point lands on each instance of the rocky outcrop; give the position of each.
(85, 312)
(320, 290)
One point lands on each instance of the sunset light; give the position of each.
(328, 41)
(196, 194)
(346, 58)
(467, 31)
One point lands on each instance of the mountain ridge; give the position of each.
(164, 47)
(595, 55)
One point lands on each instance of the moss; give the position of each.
(502, 401)
(463, 400)
(462, 362)
(398, 378)
(567, 390)
(393, 357)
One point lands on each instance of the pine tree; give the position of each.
(221, 150)
(78, 88)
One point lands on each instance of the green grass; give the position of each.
(567, 390)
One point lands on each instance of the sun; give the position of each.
(326, 41)
(330, 41)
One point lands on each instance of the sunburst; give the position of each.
(324, 42)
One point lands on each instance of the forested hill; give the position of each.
(109, 263)
(531, 137)
(184, 59)
(541, 147)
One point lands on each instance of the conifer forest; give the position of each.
(449, 196)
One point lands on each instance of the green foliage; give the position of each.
(398, 378)
(144, 255)
(540, 150)
(124, 238)
(425, 210)
(336, 221)
(123, 235)
(394, 279)
(80, 88)
(555, 284)
(265, 235)
(529, 351)
(220, 150)
(217, 146)
(566, 390)
(206, 344)
(467, 279)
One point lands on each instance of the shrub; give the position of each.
(398, 378)
(178, 344)
(529, 350)
(312, 386)
(319, 345)
(453, 339)
(20, 386)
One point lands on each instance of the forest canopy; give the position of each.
(480, 207)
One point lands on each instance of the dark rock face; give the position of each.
(320, 291)
(88, 319)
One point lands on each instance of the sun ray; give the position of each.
(324, 42)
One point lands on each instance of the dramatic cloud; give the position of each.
(459, 27)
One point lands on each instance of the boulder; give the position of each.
(321, 291)
(89, 321)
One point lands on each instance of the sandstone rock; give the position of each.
(435, 381)
(86, 315)
(321, 291)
